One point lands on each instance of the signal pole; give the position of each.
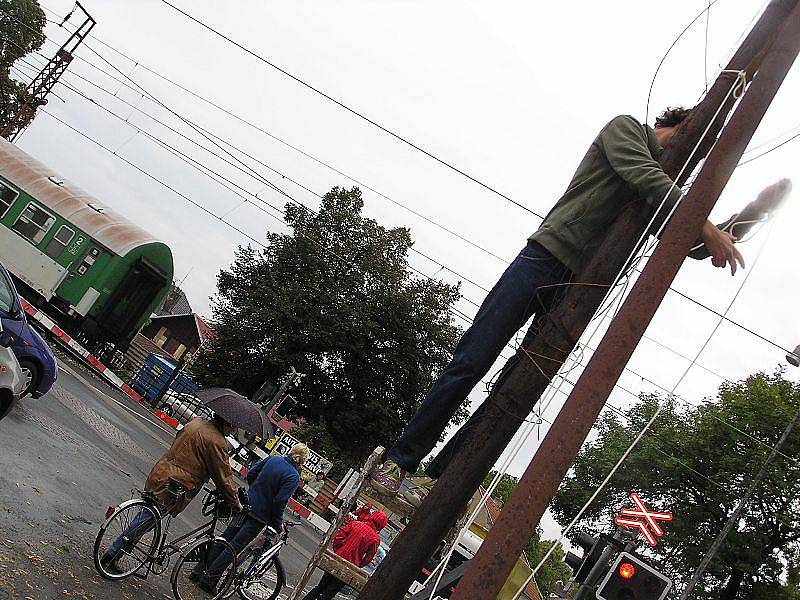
(37, 90)
(515, 396)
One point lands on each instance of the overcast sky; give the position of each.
(512, 93)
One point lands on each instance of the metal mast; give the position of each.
(38, 89)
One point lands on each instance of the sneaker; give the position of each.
(207, 587)
(387, 478)
(110, 566)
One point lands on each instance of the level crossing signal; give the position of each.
(581, 565)
(643, 519)
(630, 578)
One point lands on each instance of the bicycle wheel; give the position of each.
(127, 539)
(192, 569)
(261, 579)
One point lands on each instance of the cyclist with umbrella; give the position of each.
(199, 452)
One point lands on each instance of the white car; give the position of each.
(11, 380)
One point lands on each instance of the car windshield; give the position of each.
(6, 295)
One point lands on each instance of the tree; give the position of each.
(504, 487)
(335, 300)
(554, 569)
(21, 32)
(698, 462)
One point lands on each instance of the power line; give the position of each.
(213, 175)
(136, 63)
(731, 321)
(174, 150)
(697, 302)
(205, 209)
(197, 166)
(783, 143)
(249, 171)
(354, 179)
(353, 111)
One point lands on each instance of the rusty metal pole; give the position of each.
(513, 400)
(498, 553)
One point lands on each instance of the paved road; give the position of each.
(64, 459)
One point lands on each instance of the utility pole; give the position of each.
(516, 395)
(37, 90)
(493, 562)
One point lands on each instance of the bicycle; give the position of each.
(135, 528)
(261, 575)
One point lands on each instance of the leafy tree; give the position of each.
(554, 569)
(335, 300)
(21, 32)
(504, 487)
(697, 465)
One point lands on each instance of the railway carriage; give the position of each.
(97, 273)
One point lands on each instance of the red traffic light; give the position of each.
(626, 570)
(631, 578)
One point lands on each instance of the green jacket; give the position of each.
(621, 166)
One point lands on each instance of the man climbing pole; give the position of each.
(621, 166)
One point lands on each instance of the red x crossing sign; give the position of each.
(643, 519)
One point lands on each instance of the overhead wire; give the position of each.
(300, 184)
(667, 53)
(783, 143)
(200, 166)
(353, 111)
(455, 234)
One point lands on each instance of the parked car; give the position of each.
(11, 383)
(36, 359)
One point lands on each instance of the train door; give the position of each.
(130, 300)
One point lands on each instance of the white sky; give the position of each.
(510, 92)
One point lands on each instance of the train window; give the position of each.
(33, 223)
(60, 240)
(7, 197)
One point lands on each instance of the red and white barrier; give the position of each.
(67, 341)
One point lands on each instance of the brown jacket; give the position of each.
(199, 451)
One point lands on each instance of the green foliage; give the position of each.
(503, 489)
(368, 337)
(21, 32)
(695, 464)
(553, 570)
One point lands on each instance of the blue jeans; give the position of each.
(239, 537)
(141, 524)
(519, 294)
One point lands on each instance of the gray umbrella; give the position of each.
(237, 410)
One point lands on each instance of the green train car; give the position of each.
(98, 274)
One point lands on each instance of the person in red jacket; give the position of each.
(357, 543)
